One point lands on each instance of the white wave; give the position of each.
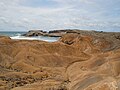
(48, 39)
(18, 34)
(22, 38)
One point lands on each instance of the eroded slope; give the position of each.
(78, 61)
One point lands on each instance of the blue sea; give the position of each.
(17, 35)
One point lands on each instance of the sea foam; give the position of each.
(48, 39)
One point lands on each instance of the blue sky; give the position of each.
(60, 14)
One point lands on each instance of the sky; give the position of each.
(24, 15)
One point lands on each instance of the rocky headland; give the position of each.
(53, 33)
(79, 60)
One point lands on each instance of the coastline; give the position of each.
(78, 60)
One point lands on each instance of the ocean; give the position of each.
(18, 35)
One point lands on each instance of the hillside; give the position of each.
(80, 60)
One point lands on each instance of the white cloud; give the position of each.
(74, 1)
(69, 14)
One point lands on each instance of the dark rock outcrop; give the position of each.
(35, 33)
(53, 33)
(43, 33)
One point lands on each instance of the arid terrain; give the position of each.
(80, 60)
